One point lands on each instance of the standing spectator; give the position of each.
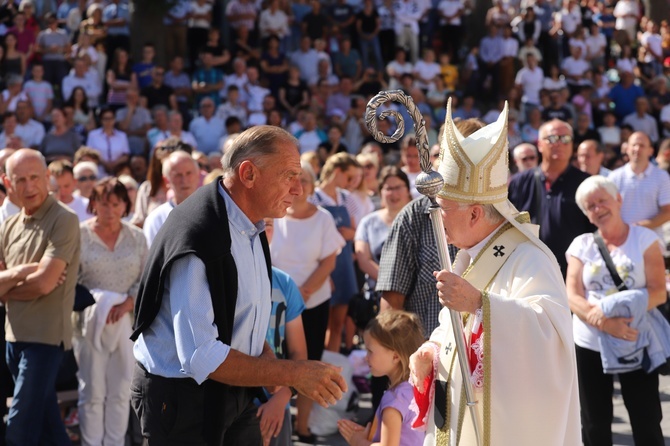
(306, 59)
(13, 93)
(451, 12)
(158, 93)
(242, 14)
(305, 244)
(62, 140)
(116, 17)
(594, 299)
(207, 80)
(273, 65)
(256, 96)
(93, 25)
(207, 129)
(341, 99)
(25, 36)
(181, 176)
(510, 49)
(63, 174)
(143, 69)
(398, 67)
(14, 61)
(342, 19)
(110, 142)
(574, 69)
(627, 13)
(426, 70)
(82, 77)
(315, 24)
(332, 195)
(556, 108)
(135, 121)
(347, 61)
(233, 107)
(8, 137)
(175, 26)
(645, 188)
(199, 22)
(548, 192)
(53, 44)
(113, 254)
(368, 26)
(525, 157)
(160, 130)
(529, 81)
(642, 121)
(220, 53)
(387, 38)
(176, 127)
(490, 54)
(274, 22)
(590, 157)
(407, 14)
(596, 46)
(652, 44)
(119, 78)
(38, 327)
(583, 130)
(30, 131)
(40, 93)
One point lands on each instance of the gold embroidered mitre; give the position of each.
(475, 168)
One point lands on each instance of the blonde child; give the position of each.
(390, 339)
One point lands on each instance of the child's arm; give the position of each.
(356, 435)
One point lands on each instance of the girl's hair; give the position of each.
(84, 103)
(391, 172)
(400, 332)
(341, 161)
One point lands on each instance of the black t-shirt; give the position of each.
(293, 93)
(562, 113)
(316, 25)
(370, 88)
(368, 22)
(156, 96)
(341, 13)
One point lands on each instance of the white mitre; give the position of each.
(475, 171)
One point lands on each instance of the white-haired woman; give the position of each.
(636, 254)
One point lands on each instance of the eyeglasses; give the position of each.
(553, 139)
(88, 178)
(393, 189)
(529, 158)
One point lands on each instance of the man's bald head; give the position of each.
(23, 156)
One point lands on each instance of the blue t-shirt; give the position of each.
(143, 72)
(287, 304)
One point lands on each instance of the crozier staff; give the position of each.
(204, 305)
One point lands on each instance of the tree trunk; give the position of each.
(147, 26)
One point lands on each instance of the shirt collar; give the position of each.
(238, 219)
(39, 214)
(629, 171)
(474, 251)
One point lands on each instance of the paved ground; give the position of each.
(622, 433)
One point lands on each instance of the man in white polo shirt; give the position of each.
(644, 187)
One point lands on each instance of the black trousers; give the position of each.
(173, 412)
(640, 395)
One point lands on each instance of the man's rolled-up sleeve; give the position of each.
(199, 351)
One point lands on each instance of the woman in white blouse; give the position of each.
(113, 254)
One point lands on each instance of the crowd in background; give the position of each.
(116, 129)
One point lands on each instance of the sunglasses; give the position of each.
(88, 178)
(553, 139)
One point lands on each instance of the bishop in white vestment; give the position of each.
(517, 325)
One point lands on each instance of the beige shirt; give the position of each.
(52, 231)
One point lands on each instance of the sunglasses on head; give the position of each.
(552, 139)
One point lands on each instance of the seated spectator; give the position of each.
(207, 129)
(341, 99)
(525, 157)
(221, 55)
(641, 121)
(143, 68)
(529, 80)
(610, 133)
(153, 192)
(306, 58)
(554, 81)
(157, 93)
(131, 187)
(574, 68)
(590, 158)
(310, 136)
(30, 131)
(179, 81)
(25, 35)
(181, 175)
(207, 80)
(53, 44)
(274, 65)
(82, 115)
(110, 142)
(426, 70)
(13, 94)
(556, 108)
(86, 174)
(63, 173)
(347, 61)
(40, 93)
(82, 76)
(176, 130)
(84, 48)
(61, 141)
(256, 94)
(467, 110)
(324, 72)
(333, 145)
(119, 78)
(8, 137)
(531, 129)
(135, 121)
(160, 130)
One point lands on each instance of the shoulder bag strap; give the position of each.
(608, 262)
(539, 191)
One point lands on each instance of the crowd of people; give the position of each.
(122, 143)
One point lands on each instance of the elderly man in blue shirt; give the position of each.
(207, 128)
(204, 305)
